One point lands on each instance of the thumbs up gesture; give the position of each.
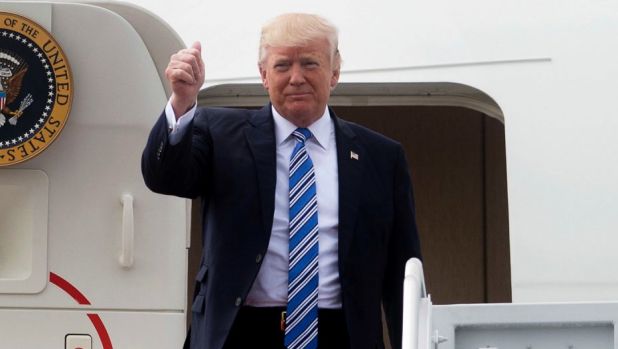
(185, 72)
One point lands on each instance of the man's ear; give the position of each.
(263, 75)
(334, 79)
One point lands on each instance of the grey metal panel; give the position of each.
(527, 326)
(541, 336)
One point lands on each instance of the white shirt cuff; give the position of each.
(178, 128)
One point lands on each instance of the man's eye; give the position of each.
(311, 65)
(282, 66)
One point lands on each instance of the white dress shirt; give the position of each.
(271, 285)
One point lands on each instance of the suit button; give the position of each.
(238, 301)
(258, 258)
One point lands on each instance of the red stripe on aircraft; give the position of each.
(101, 330)
(68, 288)
(81, 299)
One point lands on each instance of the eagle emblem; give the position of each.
(12, 72)
(36, 89)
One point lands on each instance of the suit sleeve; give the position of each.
(403, 245)
(180, 169)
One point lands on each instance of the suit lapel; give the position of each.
(350, 157)
(261, 138)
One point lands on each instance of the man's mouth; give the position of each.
(298, 94)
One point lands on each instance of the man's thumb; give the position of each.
(196, 45)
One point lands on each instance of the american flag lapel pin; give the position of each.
(353, 155)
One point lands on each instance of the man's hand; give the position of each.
(185, 73)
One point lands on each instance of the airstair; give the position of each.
(502, 326)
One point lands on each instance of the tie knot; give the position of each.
(302, 134)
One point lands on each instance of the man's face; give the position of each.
(299, 80)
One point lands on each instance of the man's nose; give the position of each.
(297, 75)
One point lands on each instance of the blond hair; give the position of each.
(299, 29)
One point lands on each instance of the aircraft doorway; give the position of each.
(454, 140)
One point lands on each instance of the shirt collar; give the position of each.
(321, 128)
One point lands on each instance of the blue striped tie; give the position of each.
(301, 330)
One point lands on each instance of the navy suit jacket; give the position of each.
(228, 159)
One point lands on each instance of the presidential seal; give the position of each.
(36, 89)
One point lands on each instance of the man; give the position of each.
(308, 219)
